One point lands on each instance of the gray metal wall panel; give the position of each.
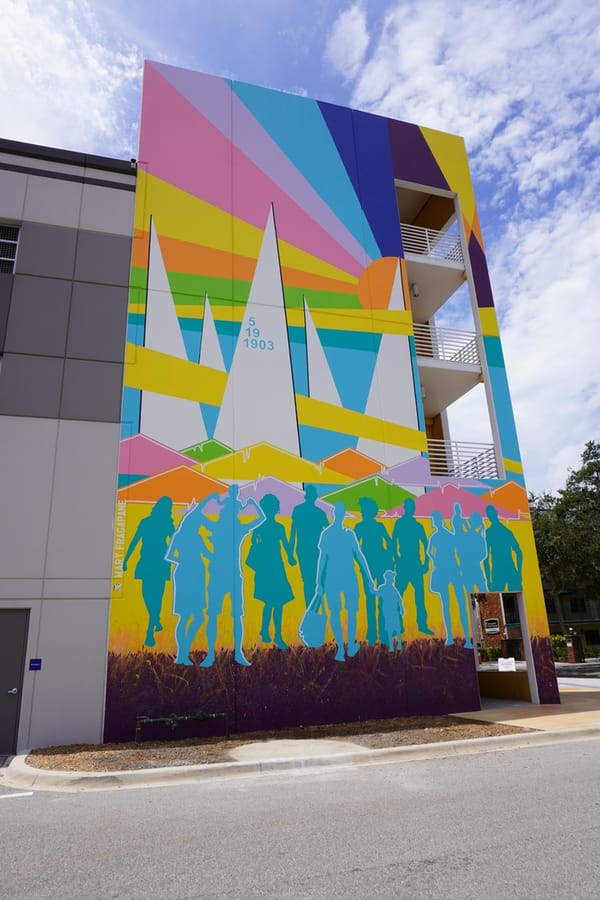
(103, 258)
(46, 250)
(12, 195)
(52, 200)
(83, 501)
(68, 694)
(98, 322)
(31, 385)
(106, 209)
(92, 391)
(26, 478)
(6, 284)
(39, 316)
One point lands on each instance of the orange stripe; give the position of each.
(196, 259)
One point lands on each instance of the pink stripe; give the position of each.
(180, 146)
(213, 97)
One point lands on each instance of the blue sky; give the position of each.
(519, 81)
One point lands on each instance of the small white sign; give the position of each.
(507, 664)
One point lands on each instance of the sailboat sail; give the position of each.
(210, 349)
(321, 385)
(172, 421)
(389, 398)
(259, 400)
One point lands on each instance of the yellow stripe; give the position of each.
(489, 321)
(450, 154)
(347, 421)
(184, 217)
(513, 465)
(149, 370)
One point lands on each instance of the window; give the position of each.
(9, 238)
(577, 604)
(511, 609)
(592, 636)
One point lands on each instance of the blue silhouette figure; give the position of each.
(504, 561)
(376, 545)
(189, 553)
(225, 571)
(471, 548)
(409, 547)
(393, 610)
(271, 585)
(339, 551)
(445, 574)
(308, 521)
(152, 569)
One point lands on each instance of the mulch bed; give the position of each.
(376, 733)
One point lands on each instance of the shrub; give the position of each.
(559, 647)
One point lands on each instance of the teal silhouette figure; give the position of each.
(225, 571)
(393, 610)
(376, 546)
(504, 561)
(190, 554)
(271, 585)
(308, 521)
(471, 548)
(409, 547)
(152, 569)
(446, 574)
(339, 553)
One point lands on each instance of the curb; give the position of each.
(21, 775)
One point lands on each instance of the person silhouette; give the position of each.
(504, 560)
(339, 551)
(376, 545)
(409, 547)
(471, 548)
(189, 553)
(445, 574)
(152, 569)
(393, 610)
(225, 571)
(308, 521)
(271, 585)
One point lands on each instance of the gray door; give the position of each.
(13, 646)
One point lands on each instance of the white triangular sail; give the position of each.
(392, 394)
(321, 384)
(259, 400)
(173, 421)
(210, 349)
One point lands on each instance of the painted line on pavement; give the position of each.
(20, 794)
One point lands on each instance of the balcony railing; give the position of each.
(434, 244)
(462, 459)
(447, 344)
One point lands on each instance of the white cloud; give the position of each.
(67, 81)
(520, 82)
(348, 42)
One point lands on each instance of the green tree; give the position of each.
(567, 528)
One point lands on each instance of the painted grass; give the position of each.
(299, 686)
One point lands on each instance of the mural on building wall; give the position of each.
(282, 549)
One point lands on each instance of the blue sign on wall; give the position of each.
(35, 665)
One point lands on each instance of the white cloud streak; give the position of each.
(67, 81)
(521, 83)
(348, 42)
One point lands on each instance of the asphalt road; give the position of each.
(513, 824)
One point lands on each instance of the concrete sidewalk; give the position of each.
(577, 717)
